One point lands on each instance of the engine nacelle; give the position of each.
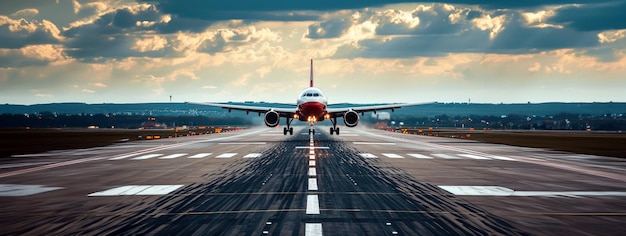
(351, 118)
(272, 118)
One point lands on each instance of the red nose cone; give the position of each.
(315, 109)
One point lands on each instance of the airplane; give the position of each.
(311, 106)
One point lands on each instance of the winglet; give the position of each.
(311, 77)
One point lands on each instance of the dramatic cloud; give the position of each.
(17, 33)
(254, 50)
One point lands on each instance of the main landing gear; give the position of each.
(288, 129)
(334, 129)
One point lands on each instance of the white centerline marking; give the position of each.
(311, 147)
(146, 156)
(177, 155)
(252, 155)
(226, 155)
(312, 171)
(313, 229)
(312, 163)
(367, 155)
(392, 155)
(312, 184)
(201, 155)
(311, 157)
(312, 205)
(419, 156)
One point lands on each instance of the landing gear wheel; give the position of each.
(332, 130)
(285, 131)
(337, 131)
(290, 131)
(313, 131)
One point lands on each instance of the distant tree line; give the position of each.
(53, 120)
(561, 121)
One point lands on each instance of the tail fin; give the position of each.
(311, 78)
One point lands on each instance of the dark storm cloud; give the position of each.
(514, 39)
(113, 35)
(17, 40)
(593, 17)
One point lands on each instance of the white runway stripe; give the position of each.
(312, 184)
(172, 156)
(419, 156)
(137, 190)
(313, 229)
(311, 163)
(312, 205)
(226, 155)
(392, 155)
(474, 157)
(502, 158)
(252, 155)
(445, 156)
(367, 155)
(200, 155)
(312, 171)
(146, 156)
(123, 157)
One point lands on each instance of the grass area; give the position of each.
(26, 141)
(594, 143)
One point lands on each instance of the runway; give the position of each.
(363, 182)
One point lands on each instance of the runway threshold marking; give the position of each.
(137, 190)
(244, 143)
(474, 157)
(372, 143)
(226, 155)
(20, 190)
(507, 192)
(367, 155)
(445, 156)
(392, 155)
(419, 156)
(200, 155)
(125, 155)
(252, 155)
(148, 156)
(172, 156)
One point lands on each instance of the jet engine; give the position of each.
(351, 118)
(272, 118)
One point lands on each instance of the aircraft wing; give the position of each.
(284, 112)
(337, 112)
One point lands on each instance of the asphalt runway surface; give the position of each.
(363, 182)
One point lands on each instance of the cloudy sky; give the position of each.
(125, 51)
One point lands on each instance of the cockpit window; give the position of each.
(309, 94)
(316, 95)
